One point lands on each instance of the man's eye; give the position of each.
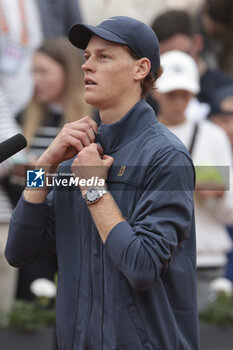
(103, 56)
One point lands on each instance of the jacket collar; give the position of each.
(116, 135)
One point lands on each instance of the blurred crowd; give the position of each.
(41, 89)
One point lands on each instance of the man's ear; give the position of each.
(142, 68)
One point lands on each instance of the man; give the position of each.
(212, 156)
(176, 31)
(57, 16)
(221, 113)
(216, 24)
(126, 252)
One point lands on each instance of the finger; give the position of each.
(108, 160)
(100, 150)
(87, 128)
(91, 122)
(76, 144)
(96, 147)
(81, 136)
(83, 127)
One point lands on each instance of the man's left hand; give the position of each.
(91, 162)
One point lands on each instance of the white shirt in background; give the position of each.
(211, 147)
(8, 129)
(196, 110)
(17, 87)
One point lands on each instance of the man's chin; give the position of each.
(92, 101)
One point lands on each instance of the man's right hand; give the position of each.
(70, 141)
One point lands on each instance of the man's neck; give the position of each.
(113, 114)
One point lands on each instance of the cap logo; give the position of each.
(178, 69)
(109, 19)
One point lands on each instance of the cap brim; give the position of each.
(79, 35)
(173, 85)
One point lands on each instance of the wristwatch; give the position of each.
(93, 194)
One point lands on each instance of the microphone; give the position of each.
(11, 146)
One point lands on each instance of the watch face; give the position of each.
(92, 195)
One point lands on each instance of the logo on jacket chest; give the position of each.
(122, 170)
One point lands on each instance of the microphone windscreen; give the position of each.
(11, 146)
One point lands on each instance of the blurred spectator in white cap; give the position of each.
(176, 30)
(212, 156)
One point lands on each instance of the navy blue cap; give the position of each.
(220, 95)
(138, 36)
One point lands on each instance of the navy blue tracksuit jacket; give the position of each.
(138, 290)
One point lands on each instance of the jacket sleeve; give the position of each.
(31, 233)
(163, 218)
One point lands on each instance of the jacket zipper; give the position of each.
(102, 323)
(76, 312)
(91, 292)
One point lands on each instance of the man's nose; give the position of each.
(88, 65)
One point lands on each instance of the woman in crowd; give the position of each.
(58, 99)
(58, 93)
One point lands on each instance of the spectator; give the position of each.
(209, 146)
(57, 16)
(8, 275)
(58, 96)
(221, 113)
(144, 10)
(23, 25)
(58, 99)
(216, 24)
(176, 31)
